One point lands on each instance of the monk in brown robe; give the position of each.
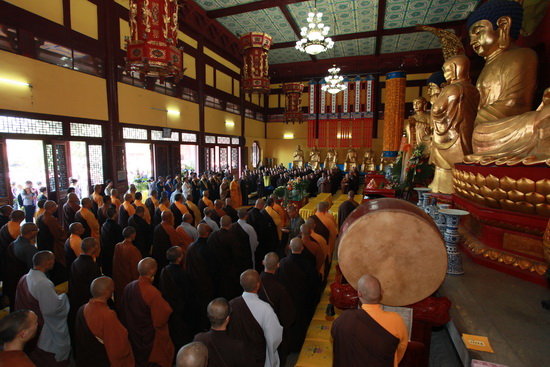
(319, 233)
(218, 204)
(51, 237)
(330, 223)
(101, 339)
(69, 210)
(145, 315)
(166, 236)
(369, 333)
(17, 328)
(313, 250)
(125, 261)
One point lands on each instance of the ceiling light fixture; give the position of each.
(334, 81)
(314, 40)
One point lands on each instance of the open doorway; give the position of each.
(138, 162)
(26, 163)
(189, 157)
(79, 166)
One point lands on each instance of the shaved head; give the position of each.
(194, 354)
(250, 280)
(296, 245)
(310, 222)
(76, 228)
(73, 198)
(226, 221)
(351, 194)
(41, 258)
(147, 266)
(87, 245)
(204, 230)
(260, 203)
(217, 312)
(305, 230)
(187, 218)
(242, 213)
(49, 205)
(369, 289)
(270, 261)
(102, 287)
(167, 216)
(322, 206)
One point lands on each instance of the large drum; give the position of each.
(398, 243)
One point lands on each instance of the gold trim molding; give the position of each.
(503, 257)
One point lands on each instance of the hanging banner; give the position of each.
(345, 133)
(356, 130)
(322, 137)
(332, 133)
(312, 114)
(311, 127)
(367, 132)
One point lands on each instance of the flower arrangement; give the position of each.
(140, 182)
(418, 171)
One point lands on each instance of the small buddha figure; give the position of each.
(298, 158)
(418, 127)
(504, 131)
(315, 158)
(351, 160)
(368, 161)
(330, 159)
(453, 115)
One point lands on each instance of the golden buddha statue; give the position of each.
(418, 126)
(435, 82)
(298, 158)
(315, 158)
(331, 159)
(453, 115)
(504, 131)
(368, 161)
(351, 160)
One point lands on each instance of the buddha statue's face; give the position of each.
(433, 90)
(483, 38)
(448, 71)
(419, 104)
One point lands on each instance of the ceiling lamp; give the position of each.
(314, 40)
(152, 46)
(334, 81)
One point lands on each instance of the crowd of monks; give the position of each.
(146, 278)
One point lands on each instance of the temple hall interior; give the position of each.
(435, 113)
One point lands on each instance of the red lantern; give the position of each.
(152, 48)
(293, 105)
(255, 65)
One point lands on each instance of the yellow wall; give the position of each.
(209, 75)
(214, 122)
(50, 9)
(55, 90)
(254, 128)
(136, 107)
(186, 39)
(221, 60)
(190, 66)
(84, 17)
(224, 82)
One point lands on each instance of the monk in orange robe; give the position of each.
(101, 339)
(125, 263)
(126, 210)
(274, 215)
(96, 196)
(317, 237)
(145, 314)
(235, 193)
(329, 222)
(194, 210)
(88, 219)
(115, 200)
(179, 209)
(279, 209)
(314, 249)
(163, 206)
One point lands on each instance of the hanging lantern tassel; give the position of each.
(152, 47)
(293, 105)
(255, 62)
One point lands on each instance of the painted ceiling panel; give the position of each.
(403, 13)
(270, 20)
(286, 55)
(219, 4)
(343, 17)
(410, 42)
(356, 47)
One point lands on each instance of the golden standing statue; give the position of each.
(368, 161)
(418, 128)
(330, 159)
(453, 115)
(505, 132)
(315, 158)
(298, 158)
(351, 160)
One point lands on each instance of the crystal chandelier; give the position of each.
(334, 81)
(314, 40)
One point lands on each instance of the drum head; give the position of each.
(399, 244)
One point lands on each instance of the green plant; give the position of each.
(280, 191)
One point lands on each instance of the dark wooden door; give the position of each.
(58, 166)
(176, 159)
(6, 196)
(161, 160)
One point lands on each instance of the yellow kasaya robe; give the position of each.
(236, 195)
(275, 216)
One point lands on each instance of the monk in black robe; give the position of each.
(164, 237)
(245, 252)
(196, 262)
(175, 287)
(274, 293)
(83, 271)
(9, 233)
(223, 350)
(224, 250)
(260, 223)
(345, 209)
(302, 283)
(229, 210)
(144, 232)
(111, 234)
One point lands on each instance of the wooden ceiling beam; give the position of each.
(248, 7)
(380, 26)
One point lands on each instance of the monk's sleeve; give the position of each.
(50, 303)
(403, 339)
(115, 338)
(160, 309)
